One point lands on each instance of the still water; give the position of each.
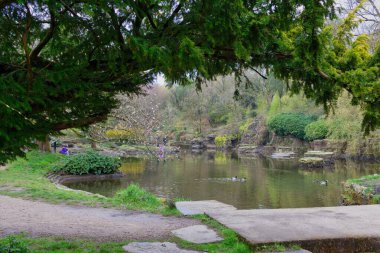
(271, 183)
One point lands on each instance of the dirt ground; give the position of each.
(101, 224)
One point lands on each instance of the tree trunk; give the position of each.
(44, 145)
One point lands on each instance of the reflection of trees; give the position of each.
(133, 167)
(220, 158)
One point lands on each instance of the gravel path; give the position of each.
(101, 224)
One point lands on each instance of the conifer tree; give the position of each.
(63, 61)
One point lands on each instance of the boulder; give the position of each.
(198, 144)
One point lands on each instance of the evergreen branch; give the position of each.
(4, 3)
(259, 73)
(171, 18)
(17, 111)
(80, 122)
(147, 14)
(49, 35)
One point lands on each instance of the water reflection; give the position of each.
(270, 183)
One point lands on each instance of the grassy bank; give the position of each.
(26, 178)
(359, 191)
(23, 244)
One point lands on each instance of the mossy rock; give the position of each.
(316, 153)
(312, 162)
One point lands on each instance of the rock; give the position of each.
(155, 247)
(197, 144)
(246, 149)
(319, 153)
(283, 155)
(267, 150)
(233, 142)
(211, 147)
(355, 194)
(311, 162)
(211, 139)
(257, 133)
(295, 144)
(197, 234)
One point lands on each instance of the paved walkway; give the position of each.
(295, 224)
(102, 224)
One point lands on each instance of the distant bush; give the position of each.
(290, 124)
(218, 117)
(316, 130)
(221, 141)
(12, 244)
(88, 163)
(131, 135)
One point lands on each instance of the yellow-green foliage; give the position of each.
(275, 105)
(244, 127)
(221, 141)
(345, 123)
(129, 134)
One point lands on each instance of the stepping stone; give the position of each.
(155, 247)
(280, 155)
(197, 234)
(199, 207)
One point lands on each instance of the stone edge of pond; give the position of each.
(58, 181)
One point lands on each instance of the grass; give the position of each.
(23, 244)
(364, 179)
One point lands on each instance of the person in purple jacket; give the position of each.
(64, 151)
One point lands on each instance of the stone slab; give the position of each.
(155, 247)
(199, 207)
(280, 155)
(302, 224)
(197, 234)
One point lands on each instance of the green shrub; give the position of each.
(316, 130)
(290, 124)
(88, 163)
(221, 141)
(12, 244)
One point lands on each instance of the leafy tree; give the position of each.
(62, 62)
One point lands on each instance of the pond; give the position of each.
(271, 183)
